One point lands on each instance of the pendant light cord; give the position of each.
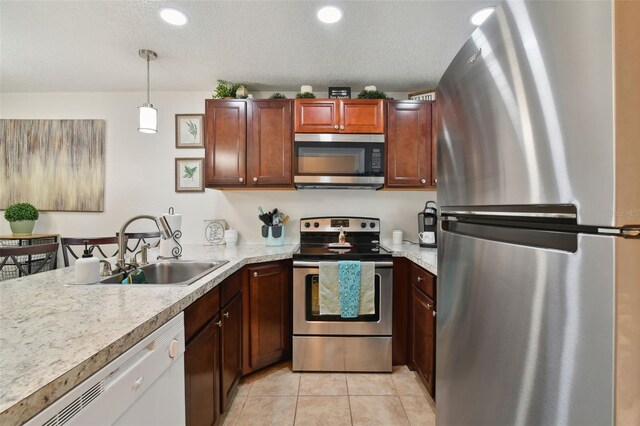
(148, 103)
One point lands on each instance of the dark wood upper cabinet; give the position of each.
(361, 116)
(226, 142)
(231, 348)
(423, 328)
(268, 329)
(409, 133)
(202, 376)
(269, 149)
(339, 116)
(317, 116)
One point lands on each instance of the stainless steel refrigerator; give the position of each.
(537, 283)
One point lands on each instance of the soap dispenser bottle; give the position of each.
(87, 268)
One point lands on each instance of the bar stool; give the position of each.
(92, 243)
(19, 261)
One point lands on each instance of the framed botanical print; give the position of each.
(189, 174)
(189, 130)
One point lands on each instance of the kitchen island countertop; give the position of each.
(54, 335)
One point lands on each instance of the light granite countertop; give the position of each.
(424, 257)
(54, 335)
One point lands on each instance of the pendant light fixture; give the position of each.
(148, 121)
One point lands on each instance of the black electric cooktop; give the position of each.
(319, 234)
(326, 253)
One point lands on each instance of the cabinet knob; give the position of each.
(336, 127)
(219, 323)
(435, 180)
(429, 306)
(420, 279)
(255, 179)
(241, 179)
(226, 314)
(255, 274)
(434, 313)
(423, 180)
(341, 127)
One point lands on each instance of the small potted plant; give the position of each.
(22, 218)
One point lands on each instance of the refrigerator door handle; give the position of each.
(545, 239)
(542, 215)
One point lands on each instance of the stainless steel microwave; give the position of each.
(338, 161)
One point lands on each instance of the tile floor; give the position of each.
(278, 396)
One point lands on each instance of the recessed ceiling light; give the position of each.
(173, 16)
(329, 14)
(479, 16)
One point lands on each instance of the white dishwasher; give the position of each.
(143, 386)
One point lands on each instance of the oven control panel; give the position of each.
(334, 224)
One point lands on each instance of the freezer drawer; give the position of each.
(525, 335)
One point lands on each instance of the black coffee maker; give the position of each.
(428, 225)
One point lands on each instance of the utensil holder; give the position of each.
(274, 235)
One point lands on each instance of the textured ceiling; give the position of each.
(93, 45)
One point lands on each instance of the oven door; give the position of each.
(306, 313)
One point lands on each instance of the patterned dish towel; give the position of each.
(349, 282)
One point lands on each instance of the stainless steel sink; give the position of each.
(174, 273)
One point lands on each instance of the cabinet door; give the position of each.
(317, 116)
(270, 144)
(423, 338)
(408, 144)
(401, 313)
(361, 116)
(202, 376)
(226, 136)
(231, 348)
(269, 314)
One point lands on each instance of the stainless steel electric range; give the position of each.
(330, 342)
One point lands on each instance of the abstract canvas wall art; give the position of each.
(56, 165)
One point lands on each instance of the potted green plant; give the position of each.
(22, 218)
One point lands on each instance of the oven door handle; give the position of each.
(307, 264)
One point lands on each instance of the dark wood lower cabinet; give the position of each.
(267, 325)
(202, 376)
(423, 329)
(231, 348)
(213, 355)
(414, 320)
(401, 312)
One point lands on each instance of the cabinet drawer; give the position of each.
(202, 310)
(423, 280)
(231, 287)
